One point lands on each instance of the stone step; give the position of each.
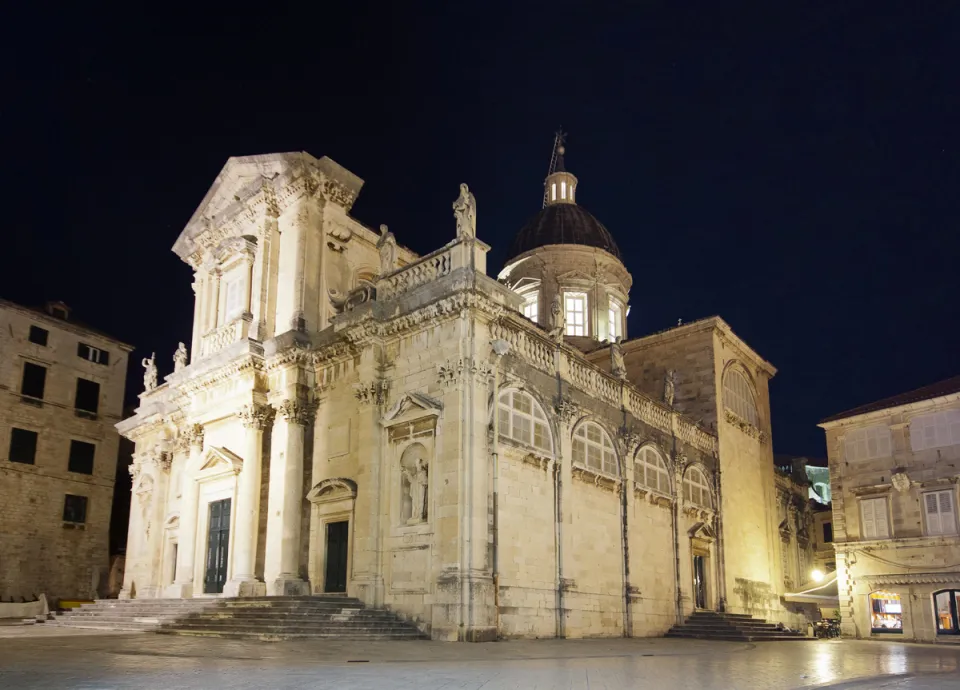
(253, 635)
(739, 638)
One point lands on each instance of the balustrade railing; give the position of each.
(421, 272)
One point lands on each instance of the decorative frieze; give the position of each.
(567, 411)
(456, 370)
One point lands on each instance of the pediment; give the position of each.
(221, 459)
(703, 531)
(576, 275)
(412, 406)
(525, 283)
(333, 489)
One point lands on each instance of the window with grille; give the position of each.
(93, 354)
(23, 446)
(935, 430)
(738, 397)
(75, 508)
(696, 490)
(592, 448)
(615, 320)
(651, 471)
(530, 306)
(575, 309)
(522, 419)
(939, 511)
(873, 514)
(39, 335)
(868, 443)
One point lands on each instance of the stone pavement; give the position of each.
(38, 657)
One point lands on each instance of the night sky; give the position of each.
(795, 172)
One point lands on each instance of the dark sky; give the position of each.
(794, 171)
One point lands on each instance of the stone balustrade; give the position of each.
(224, 336)
(421, 272)
(529, 343)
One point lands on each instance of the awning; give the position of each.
(823, 594)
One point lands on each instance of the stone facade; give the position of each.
(358, 418)
(894, 486)
(61, 392)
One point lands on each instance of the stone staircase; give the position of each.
(709, 625)
(262, 618)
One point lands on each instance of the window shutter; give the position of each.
(933, 513)
(869, 520)
(880, 515)
(948, 521)
(104, 357)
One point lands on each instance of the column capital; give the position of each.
(297, 411)
(193, 435)
(255, 416)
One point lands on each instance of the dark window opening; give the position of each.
(39, 335)
(23, 446)
(75, 509)
(81, 457)
(87, 400)
(827, 532)
(34, 381)
(93, 354)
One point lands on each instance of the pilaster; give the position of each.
(182, 587)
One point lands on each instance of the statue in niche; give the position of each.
(465, 211)
(670, 387)
(149, 372)
(557, 321)
(180, 357)
(617, 367)
(414, 484)
(387, 246)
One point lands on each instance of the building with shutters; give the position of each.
(61, 393)
(481, 455)
(894, 468)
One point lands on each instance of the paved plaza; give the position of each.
(38, 657)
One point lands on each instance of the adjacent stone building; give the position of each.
(894, 472)
(61, 393)
(485, 457)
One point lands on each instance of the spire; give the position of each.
(559, 186)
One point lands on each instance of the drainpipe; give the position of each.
(558, 501)
(500, 348)
(624, 534)
(721, 566)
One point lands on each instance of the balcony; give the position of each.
(226, 335)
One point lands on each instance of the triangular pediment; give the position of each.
(576, 275)
(242, 178)
(221, 459)
(412, 406)
(702, 530)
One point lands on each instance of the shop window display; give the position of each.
(886, 613)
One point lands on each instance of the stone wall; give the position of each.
(41, 553)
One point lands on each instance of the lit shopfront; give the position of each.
(947, 608)
(886, 613)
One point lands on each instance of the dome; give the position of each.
(563, 224)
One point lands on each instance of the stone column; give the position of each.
(197, 286)
(135, 538)
(247, 519)
(282, 561)
(299, 228)
(187, 535)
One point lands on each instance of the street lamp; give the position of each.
(817, 575)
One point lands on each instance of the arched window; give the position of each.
(592, 448)
(522, 419)
(738, 397)
(947, 604)
(696, 490)
(651, 471)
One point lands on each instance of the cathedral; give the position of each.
(488, 457)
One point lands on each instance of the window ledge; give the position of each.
(696, 511)
(597, 478)
(655, 497)
(74, 525)
(746, 427)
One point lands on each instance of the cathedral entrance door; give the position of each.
(699, 582)
(218, 541)
(335, 579)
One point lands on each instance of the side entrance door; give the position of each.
(218, 541)
(335, 579)
(699, 582)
